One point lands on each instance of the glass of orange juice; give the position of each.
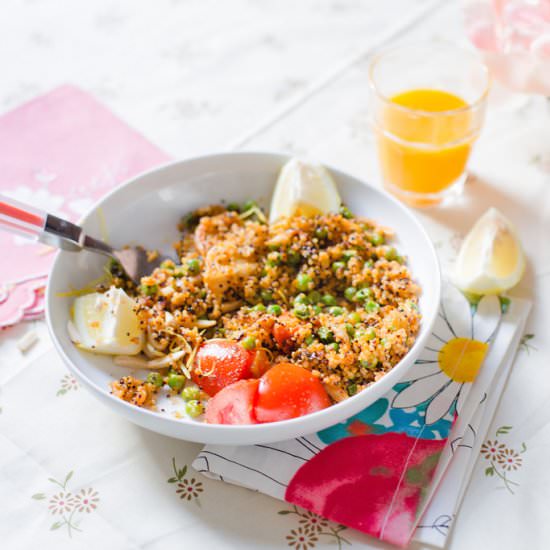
(427, 108)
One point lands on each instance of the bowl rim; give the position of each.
(337, 412)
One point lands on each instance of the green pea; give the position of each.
(376, 239)
(371, 306)
(350, 330)
(329, 300)
(190, 393)
(352, 389)
(370, 334)
(334, 345)
(337, 266)
(349, 254)
(149, 290)
(258, 307)
(317, 309)
(354, 318)
(368, 364)
(176, 381)
(321, 233)
(303, 282)
(266, 295)
(363, 294)
(350, 292)
(293, 258)
(315, 296)
(114, 267)
(345, 212)
(391, 254)
(193, 266)
(274, 309)
(249, 343)
(301, 311)
(309, 339)
(156, 379)
(325, 335)
(336, 310)
(301, 299)
(273, 247)
(233, 207)
(194, 408)
(167, 264)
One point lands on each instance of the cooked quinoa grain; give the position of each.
(329, 293)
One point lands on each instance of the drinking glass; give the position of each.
(427, 108)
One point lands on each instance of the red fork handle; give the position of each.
(20, 218)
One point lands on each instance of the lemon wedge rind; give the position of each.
(106, 323)
(303, 188)
(491, 259)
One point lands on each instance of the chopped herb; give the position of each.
(325, 335)
(149, 290)
(293, 258)
(345, 212)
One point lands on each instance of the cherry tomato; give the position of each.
(219, 363)
(234, 404)
(283, 336)
(287, 391)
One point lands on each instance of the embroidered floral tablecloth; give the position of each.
(196, 77)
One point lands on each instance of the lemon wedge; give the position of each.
(491, 259)
(106, 323)
(303, 189)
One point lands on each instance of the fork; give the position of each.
(33, 223)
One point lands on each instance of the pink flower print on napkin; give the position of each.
(61, 152)
(21, 301)
(373, 483)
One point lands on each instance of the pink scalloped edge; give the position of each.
(37, 308)
(22, 301)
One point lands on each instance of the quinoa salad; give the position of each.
(328, 294)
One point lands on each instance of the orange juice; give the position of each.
(424, 140)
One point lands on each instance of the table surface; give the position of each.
(200, 76)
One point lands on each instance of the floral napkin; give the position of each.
(399, 468)
(60, 152)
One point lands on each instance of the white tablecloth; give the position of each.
(201, 76)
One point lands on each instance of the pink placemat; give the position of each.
(60, 152)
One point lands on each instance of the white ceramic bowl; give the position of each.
(146, 210)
